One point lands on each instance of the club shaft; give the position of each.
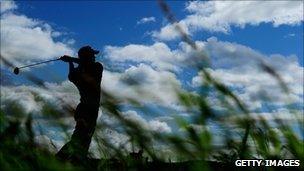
(38, 63)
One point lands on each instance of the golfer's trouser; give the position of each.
(80, 141)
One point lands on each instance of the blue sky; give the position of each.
(115, 23)
(98, 23)
(137, 41)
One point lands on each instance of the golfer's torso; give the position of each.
(87, 81)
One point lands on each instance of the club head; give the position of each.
(16, 71)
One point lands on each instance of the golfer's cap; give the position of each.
(87, 49)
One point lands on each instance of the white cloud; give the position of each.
(143, 84)
(159, 126)
(146, 20)
(25, 39)
(22, 96)
(158, 55)
(6, 6)
(169, 31)
(152, 125)
(26, 96)
(219, 16)
(238, 67)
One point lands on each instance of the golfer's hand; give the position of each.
(65, 58)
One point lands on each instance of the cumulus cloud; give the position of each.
(158, 55)
(22, 96)
(238, 67)
(218, 16)
(169, 31)
(25, 39)
(143, 84)
(32, 98)
(152, 125)
(146, 20)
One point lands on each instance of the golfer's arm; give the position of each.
(75, 60)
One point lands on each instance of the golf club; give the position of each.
(17, 69)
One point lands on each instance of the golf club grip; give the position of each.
(38, 63)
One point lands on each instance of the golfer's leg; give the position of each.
(65, 152)
(82, 136)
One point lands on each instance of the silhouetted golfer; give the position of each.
(86, 77)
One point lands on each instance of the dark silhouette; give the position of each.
(86, 77)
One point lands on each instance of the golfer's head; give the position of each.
(87, 54)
